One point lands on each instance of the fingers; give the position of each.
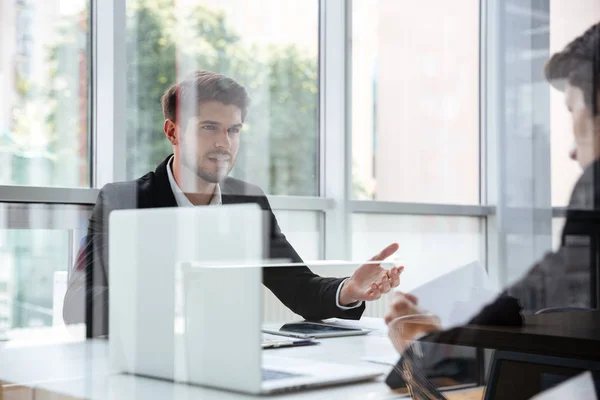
(385, 253)
(384, 284)
(402, 305)
(412, 298)
(390, 279)
(394, 276)
(374, 292)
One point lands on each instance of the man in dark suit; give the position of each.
(562, 278)
(204, 115)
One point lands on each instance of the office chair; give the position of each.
(562, 309)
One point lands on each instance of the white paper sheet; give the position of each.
(457, 296)
(579, 387)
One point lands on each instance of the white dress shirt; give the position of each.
(217, 200)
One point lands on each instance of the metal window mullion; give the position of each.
(483, 156)
(47, 195)
(385, 207)
(298, 203)
(491, 138)
(500, 75)
(335, 135)
(109, 92)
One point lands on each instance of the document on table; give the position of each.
(458, 295)
(579, 387)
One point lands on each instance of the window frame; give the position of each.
(335, 202)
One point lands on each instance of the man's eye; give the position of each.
(234, 130)
(209, 127)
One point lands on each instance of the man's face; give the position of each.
(585, 149)
(210, 142)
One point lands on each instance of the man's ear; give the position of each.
(171, 131)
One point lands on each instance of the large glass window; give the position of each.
(415, 101)
(429, 245)
(303, 230)
(38, 244)
(269, 46)
(44, 69)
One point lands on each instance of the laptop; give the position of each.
(229, 355)
(145, 246)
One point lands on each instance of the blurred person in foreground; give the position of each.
(561, 278)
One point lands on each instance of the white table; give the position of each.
(81, 370)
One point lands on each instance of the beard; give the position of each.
(194, 164)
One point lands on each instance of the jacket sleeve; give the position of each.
(298, 288)
(551, 282)
(86, 299)
(504, 311)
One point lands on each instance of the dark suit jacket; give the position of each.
(562, 278)
(305, 293)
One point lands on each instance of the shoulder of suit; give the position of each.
(126, 194)
(239, 187)
(582, 196)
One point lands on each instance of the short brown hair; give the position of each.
(201, 86)
(579, 65)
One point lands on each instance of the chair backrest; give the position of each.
(534, 374)
(562, 309)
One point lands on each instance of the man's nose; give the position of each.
(223, 140)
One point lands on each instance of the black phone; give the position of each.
(321, 330)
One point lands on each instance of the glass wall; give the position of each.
(269, 46)
(448, 131)
(430, 124)
(45, 142)
(415, 101)
(44, 78)
(429, 245)
(38, 246)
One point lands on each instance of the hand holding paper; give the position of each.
(447, 301)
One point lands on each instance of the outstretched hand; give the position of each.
(370, 280)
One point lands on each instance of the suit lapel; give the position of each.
(230, 195)
(163, 195)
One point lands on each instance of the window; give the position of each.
(430, 246)
(415, 101)
(38, 243)
(303, 230)
(44, 64)
(567, 21)
(269, 46)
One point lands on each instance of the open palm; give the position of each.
(370, 280)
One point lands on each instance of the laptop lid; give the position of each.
(222, 309)
(145, 246)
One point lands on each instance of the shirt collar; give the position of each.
(181, 198)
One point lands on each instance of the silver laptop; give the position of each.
(145, 246)
(223, 317)
(147, 335)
